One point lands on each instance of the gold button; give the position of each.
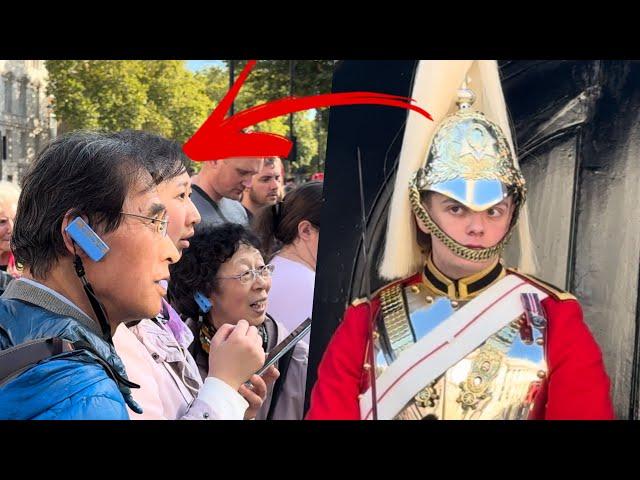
(540, 341)
(542, 374)
(376, 335)
(415, 288)
(367, 366)
(454, 304)
(429, 299)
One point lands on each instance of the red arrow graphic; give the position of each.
(221, 137)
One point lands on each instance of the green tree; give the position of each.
(310, 77)
(97, 94)
(307, 142)
(165, 98)
(158, 96)
(215, 81)
(271, 80)
(176, 97)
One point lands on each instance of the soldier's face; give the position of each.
(467, 227)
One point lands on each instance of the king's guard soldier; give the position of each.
(465, 337)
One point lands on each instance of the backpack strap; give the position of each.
(15, 360)
(20, 358)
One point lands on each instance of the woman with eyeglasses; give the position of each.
(221, 279)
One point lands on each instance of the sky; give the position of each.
(195, 65)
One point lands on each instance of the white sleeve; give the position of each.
(217, 401)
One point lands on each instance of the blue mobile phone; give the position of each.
(87, 239)
(203, 302)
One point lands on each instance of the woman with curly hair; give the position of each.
(222, 279)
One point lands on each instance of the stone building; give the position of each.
(26, 119)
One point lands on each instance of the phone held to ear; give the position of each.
(88, 240)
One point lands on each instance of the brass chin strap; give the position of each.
(473, 254)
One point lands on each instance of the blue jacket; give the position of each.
(72, 385)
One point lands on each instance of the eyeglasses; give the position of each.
(251, 275)
(160, 225)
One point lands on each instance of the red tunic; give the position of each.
(576, 387)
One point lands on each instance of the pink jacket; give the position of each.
(170, 384)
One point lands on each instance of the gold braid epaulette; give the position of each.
(395, 318)
(361, 300)
(552, 290)
(394, 315)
